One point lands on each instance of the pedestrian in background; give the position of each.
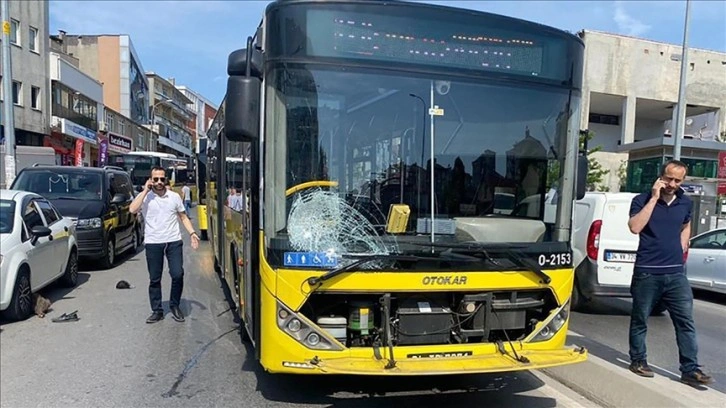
(662, 220)
(164, 213)
(187, 195)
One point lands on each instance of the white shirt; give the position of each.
(161, 219)
(235, 202)
(187, 193)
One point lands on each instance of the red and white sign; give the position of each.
(79, 152)
(721, 188)
(722, 165)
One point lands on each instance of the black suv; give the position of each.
(98, 201)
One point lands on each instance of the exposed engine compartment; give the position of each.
(429, 319)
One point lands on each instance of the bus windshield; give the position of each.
(139, 167)
(494, 145)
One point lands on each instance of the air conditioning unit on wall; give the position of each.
(102, 127)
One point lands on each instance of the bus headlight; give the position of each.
(304, 331)
(552, 325)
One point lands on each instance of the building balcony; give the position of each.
(67, 113)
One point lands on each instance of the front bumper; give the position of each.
(91, 243)
(493, 363)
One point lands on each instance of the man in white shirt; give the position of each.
(163, 212)
(187, 196)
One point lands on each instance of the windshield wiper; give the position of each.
(513, 252)
(355, 264)
(66, 198)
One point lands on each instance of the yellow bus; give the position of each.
(139, 164)
(379, 135)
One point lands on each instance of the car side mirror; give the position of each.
(118, 199)
(39, 231)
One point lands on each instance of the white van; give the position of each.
(603, 246)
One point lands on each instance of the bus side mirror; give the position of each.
(243, 100)
(582, 170)
(242, 108)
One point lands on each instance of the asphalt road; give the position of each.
(604, 325)
(111, 357)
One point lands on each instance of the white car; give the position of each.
(37, 247)
(706, 263)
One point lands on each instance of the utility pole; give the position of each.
(8, 111)
(680, 122)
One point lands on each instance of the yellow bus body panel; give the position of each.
(280, 353)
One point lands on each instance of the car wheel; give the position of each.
(21, 304)
(110, 255)
(70, 277)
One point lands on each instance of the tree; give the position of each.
(595, 173)
(623, 174)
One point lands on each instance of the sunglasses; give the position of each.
(157, 179)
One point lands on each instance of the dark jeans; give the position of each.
(155, 262)
(188, 208)
(676, 296)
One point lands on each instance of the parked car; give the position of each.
(603, 247)
(706, 263)
(37, 247)
(97, 199)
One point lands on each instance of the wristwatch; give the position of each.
(193, 233)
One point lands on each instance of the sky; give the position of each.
(190, 40)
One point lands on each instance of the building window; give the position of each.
(15, 32)
(35, 97)
(604, 119)
(18, 93)
(33, 39)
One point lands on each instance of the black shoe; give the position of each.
(696, 377)
(641, 368)
(155, 317)
(177, 314)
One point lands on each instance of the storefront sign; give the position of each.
(78, 131)
(721, 188)
(102, 152)
(722, 165)
(120, 143)
(79, 153)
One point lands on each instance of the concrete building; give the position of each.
(29, 61)
(124, 135)
(113, 61)
(629, 102)
(204, 112)
(170, 116)
(77, 110)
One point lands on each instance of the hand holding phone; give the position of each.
(149, 184)
(658, 187)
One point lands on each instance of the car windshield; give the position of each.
(57, 185)
(7, 216)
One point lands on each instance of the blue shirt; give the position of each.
(660, 250)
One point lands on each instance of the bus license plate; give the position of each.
(628, 257)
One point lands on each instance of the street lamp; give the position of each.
(153, 108)
(152, 119)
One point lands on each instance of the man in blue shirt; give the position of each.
(662, 219)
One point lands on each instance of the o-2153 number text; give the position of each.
(562, 259)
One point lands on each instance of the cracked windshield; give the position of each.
(356, 148)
